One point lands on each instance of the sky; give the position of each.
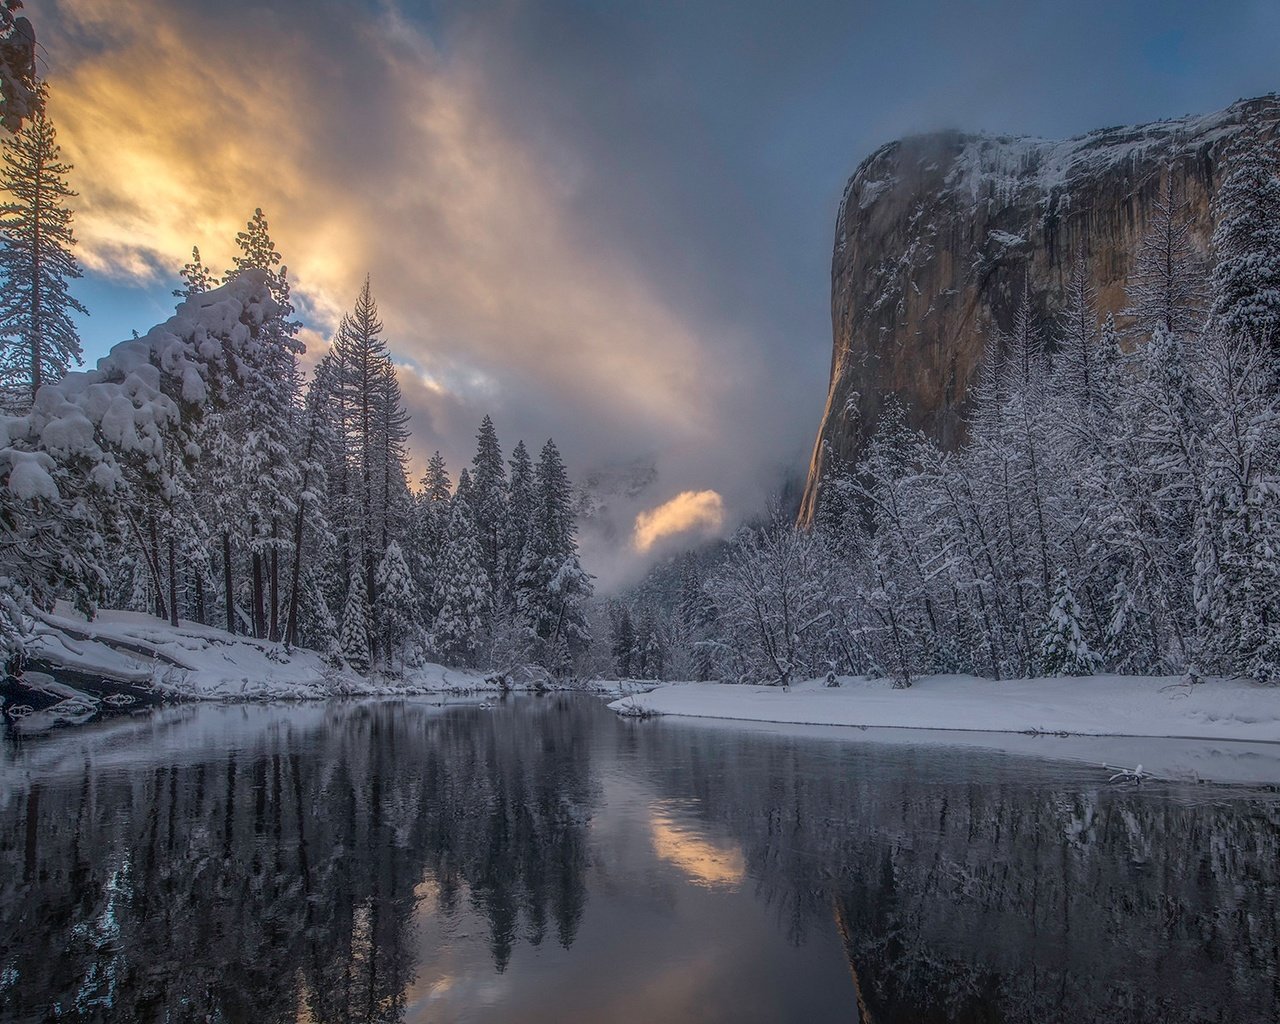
(607, 222)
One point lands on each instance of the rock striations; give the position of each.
(937, 236)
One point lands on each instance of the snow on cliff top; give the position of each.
(1003, 167)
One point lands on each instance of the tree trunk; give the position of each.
(161, 613)
(275, 582)
(230, 590)
(173, 582)
(199, 587)
(291, 622)
(259, 611)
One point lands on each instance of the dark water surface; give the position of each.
(546, 862)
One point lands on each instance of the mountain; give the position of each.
(937, 235)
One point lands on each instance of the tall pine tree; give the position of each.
(40, 341)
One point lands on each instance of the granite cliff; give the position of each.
(937, 235)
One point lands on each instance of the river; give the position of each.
(545, 861)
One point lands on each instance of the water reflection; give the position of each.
(545, 861)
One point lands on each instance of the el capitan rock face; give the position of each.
(937, 235)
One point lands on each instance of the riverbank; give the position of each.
(1152, 706)
(1223, 731)
(77, 670)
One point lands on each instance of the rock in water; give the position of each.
(937, 234)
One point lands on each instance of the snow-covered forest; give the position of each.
(203, 472)
(1116, 506)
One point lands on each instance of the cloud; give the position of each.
(371, 151)
(605, 223)
(688, 510)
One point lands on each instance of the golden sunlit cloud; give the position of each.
(703, 861)
(689, 510)
(370, 152)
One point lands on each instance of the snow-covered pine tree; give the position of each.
(111, 445)
(364, 358)
(317, 447)
(38, 336)
(397, 604)
(436, 497)
(429, 526)
(374, 490)
(1076, 365)
(392, 497)
(197, 278)
(1023, 359)
(1166, 285)
(465, 492)
(489, 502)
(552, 588)
(462, 590)
(353, 643)
(520, 504)
(1246, 240)
(261, 418)
(1064, 651)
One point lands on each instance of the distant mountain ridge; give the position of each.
(938, 234)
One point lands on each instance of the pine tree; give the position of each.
(520, 504)
(430, 527)
(1166, 285)
(623, 644)
(258, 252)
(397, 601)
(436, 498)
(1076, 367)
(489, 500)
(462, 590)
(257, 480)
(317, 448)
(649, 643)
(465, 492)
(353, 644)
(552, 587)
(374, 423)
(1246, 241)
(196, 277)
(1063, 648)
(40, 341)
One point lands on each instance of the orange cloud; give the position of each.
(689, 510)
(370, 151)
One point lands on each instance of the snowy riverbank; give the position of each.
(1090, 705)
(195, 662)
(122, 660)
(1226, 730)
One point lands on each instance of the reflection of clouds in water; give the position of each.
(701, 858)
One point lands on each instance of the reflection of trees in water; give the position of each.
(247, 886)
(285, 877)
(999, 901)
